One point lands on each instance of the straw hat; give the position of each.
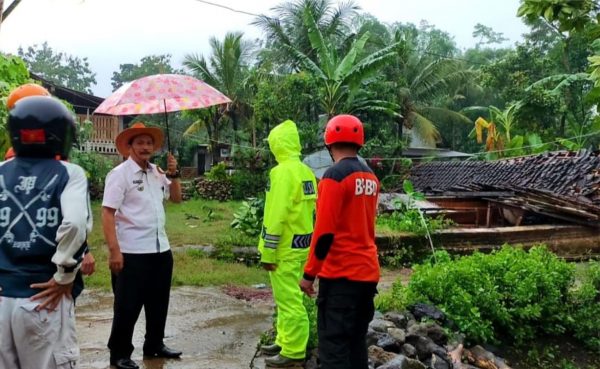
(124, 138)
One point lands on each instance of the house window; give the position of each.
(224, 153)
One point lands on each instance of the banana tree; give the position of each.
(345, 79)
(500, 141)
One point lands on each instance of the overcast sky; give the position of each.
(112, 32)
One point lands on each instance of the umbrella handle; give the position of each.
(167, 125)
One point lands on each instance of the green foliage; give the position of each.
(344, 79)
(194, 268)
(408, 217)
(487, 35)
(61, 68)
(287, 28)
(96, 167)
(247, 184)
(311, 310)
(585, 307)
(378, 148)
(226, 69)
(218, 172)
(511, 295)
(400, 257)
(148, 65)
(569, 15)
(294, 98)
(235, 238)
(249, 217)
(13, 73)
(255, 160)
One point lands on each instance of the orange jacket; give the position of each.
(343, 243)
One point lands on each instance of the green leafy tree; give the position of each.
(61, 68)
(344, 80)
(289, 96)
(563, 15)
(428, 82)
(227, 69)
(13, 73)
(148, 65)
(487, 35)
(567, 17)
(288, 29)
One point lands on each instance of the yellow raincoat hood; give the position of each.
(284, 141)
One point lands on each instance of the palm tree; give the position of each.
(344, 80)
(227, 70)
(288, 28)
(426, 87)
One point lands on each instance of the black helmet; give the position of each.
(41, 127)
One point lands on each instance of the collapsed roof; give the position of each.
(562, 184)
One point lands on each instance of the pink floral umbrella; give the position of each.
(161, 93)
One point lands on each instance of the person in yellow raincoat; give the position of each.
(287, 230)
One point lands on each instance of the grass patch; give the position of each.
(193, 268)
(194, 222)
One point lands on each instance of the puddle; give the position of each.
(212, 329)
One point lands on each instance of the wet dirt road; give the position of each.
(212, 329)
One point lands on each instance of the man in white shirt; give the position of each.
(140, 259)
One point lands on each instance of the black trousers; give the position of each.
(345, 309)
(145, 281)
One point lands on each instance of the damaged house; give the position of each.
(551, 198)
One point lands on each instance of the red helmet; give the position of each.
(28, 89)
(344, 128)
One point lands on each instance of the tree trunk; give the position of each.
(235, 123)
(212, 129)
(400, 125)
(253, 133)
(563, 121)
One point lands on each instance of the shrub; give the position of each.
(510, 293)
(409, 218)
(311, 310)
(585, 308)
(249, 217)
(247, 184)
(96, 167)
(253, 160)
(218, 172)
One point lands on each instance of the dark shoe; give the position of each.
(279, 361)
(124, 363)
(162, 351)
(270, 350)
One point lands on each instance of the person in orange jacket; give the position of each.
(342, 253)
